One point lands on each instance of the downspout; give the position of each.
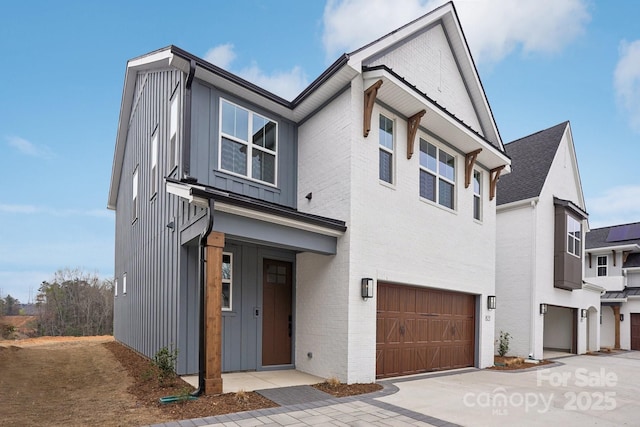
(202, 314)
(534, 312)
(186, 120)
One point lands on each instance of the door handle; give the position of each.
(401, 329)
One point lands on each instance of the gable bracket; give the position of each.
(413, 123)
(494, 177)
(369, 99)
(469, 162)
(613, 252)
(590, 260)
(625, 255)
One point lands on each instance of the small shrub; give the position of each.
(514, 362)
(333, 382)
(165, 361)
(242, 396)
(7, 331)
(503, 343)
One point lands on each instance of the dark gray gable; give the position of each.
(531, 159)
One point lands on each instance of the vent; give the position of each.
(624, 232)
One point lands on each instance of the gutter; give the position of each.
(202, 314)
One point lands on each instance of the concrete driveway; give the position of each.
(578, 391)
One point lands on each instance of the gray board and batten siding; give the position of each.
(146, 317)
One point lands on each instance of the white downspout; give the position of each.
(532, 290)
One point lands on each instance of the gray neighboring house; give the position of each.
(542, 300)
(613, 262)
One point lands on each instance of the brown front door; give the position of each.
(276, 313)
(635, 331)
(421, 329)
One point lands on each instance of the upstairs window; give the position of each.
(437, 175)
(227, 280)
(124, 283)
(172, 155)
(602, 265)
(248, 143)
(115, 288)
(154, 164)
(574, 236)
(386, 149)
(134, 202)
(477, 195)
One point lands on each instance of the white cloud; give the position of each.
(44, 210)
(29, 148)
(626, 81)
(222, 55)
(493, 28)
(286, 84)
(617, 205)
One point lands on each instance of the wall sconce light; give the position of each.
(491, 302)
(583, 313)
(367, 287)
(621, 317)
(543, 308)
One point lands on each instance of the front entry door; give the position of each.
(635, 331)
(276, 313)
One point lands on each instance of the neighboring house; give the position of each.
(347, 233)
(543, 302)
(613, 262)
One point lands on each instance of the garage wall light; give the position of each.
(543, 308)
(367, 287)
(491, 302)
(621, 317)
(583, 313)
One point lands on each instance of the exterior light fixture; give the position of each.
(583, 313)
(367, 287)
(491, 302)
(543, 308)
(621, 317)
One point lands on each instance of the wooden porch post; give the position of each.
(616, 314)
(213, 308)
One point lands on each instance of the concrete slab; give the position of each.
(260, 380)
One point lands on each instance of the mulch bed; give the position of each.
(343, 390)
(509, 364)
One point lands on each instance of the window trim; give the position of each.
(438, 176)
(477, 195)
(135, 196)
(387, 150)
(229, 281)
(605, 266)
(124, 283)
(154, 163)
(174, 126)
(250, 146)
(573, 238)
(115, 287)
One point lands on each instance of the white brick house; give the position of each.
(384, 169)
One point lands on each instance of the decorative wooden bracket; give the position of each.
(494, 177)
(469, 161)
(589, 259)
(625, 255)
(413, 123)
(369, 99)
(613, 251)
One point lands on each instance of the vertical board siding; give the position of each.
(146, 317)
(204, 150)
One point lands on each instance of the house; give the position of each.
(543, 301)
(347, 233)
(612, 261)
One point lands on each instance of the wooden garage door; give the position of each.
(421, 330)
(635, 331)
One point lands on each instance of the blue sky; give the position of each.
(540, 62)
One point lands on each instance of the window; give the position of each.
(115, 288)
(602, 265)
(134, 204)
(573, 236)
(172, 155)
(248, 143)
(154, 164)
(437, 175)
(386, 149)
(124, 284)
(227, 280)
(477, 195)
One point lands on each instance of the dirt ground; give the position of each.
(81, 381)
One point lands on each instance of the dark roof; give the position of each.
(606, 236)
(626, 292)
(531, 159)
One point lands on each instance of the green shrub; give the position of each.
(165, 361)
(503, 343)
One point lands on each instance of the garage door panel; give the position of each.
(433, 330)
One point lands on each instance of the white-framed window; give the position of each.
(574, 236)
(227, 281)
(385, 138)
(154, 163)
(134, 190)
(248, 143)
(477, 195)
(124, 283)
(172, 155)
(437, 175)
(115, 287)
(602, 265)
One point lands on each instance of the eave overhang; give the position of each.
(406, 100)
(603, 249)
(568, 204)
